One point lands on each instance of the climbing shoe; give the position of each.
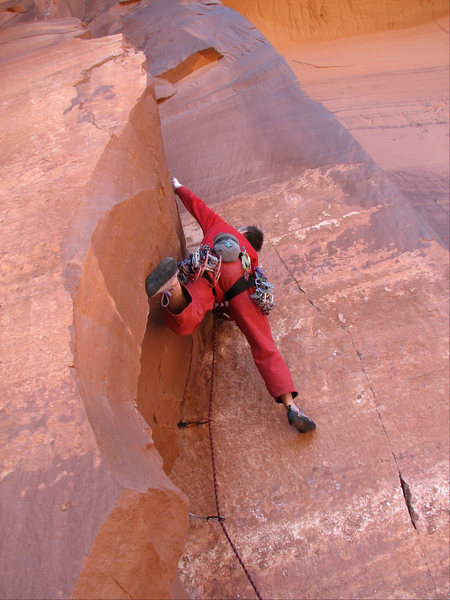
(299, 420)
(162, 277)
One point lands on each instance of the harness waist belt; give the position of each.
(241, 285)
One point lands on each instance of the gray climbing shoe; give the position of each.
(162, 276)
(299, 420)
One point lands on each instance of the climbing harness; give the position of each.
(241, 284)
(263, 295)
(219, 517)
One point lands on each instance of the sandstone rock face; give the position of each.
(39, 35)
(289, 22)
(357, 509)
(94, 488)
(390, 90)
(87, 209)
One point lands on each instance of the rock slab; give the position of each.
(87, 210)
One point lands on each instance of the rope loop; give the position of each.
(165, 298)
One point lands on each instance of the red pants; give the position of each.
(250, 320)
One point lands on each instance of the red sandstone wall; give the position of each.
(289, 22)
(91, 388)
(87, 211)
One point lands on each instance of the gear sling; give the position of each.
(226, 249)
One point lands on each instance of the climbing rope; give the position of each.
(219, 518)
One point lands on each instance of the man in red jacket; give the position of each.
(187, 303)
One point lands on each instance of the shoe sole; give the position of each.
(300, 422)
(160, 276)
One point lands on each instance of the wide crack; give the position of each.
(408, 499)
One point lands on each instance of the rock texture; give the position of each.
(390, 90)
(351, 258)
(289, 22)
(358, 509)
(92, 479)
(87, 209)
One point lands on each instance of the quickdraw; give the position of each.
(203, 259)
(263, 296)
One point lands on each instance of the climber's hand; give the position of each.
(176, 184)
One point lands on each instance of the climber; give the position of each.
(225, 270)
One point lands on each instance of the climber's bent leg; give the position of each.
(256, 328)
(198, 298)
(273, 369)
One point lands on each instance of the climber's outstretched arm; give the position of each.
(198, 209)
